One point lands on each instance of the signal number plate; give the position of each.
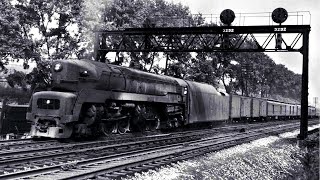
(228, 30)
(280, 29)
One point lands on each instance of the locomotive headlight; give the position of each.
(48, 101)
(84, 73)
(57, 67)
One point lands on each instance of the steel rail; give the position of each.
(10, 151)
(48, 169)
(153, 162)
(50, 152)
(195, 137)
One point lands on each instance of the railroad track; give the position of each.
(17, 145)
(16, 159)
(10, 152)
(53, 163)
(99, 171)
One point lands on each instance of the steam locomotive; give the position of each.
(89, 97)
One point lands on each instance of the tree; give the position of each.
(52, 26)
(179, 66)
(143, 13)
(17, 78)
(13, 44)
(54, 29)
(43, 29)
(201, 70)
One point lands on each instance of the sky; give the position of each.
(292, 60)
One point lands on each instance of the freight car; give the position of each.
(13, 119)
(260, 109)
(89, 97)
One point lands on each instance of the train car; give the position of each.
(311, 112)
(235, 107)
(298, 111)
(13, 119)
(275, 110)
(290, 111)
(259, 109)
(245, 108)
(283, 111)
(255, 110)
(206, 104)
(285, 108)
(294, 111)
(240, 109)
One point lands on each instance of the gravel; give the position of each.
(273, 157)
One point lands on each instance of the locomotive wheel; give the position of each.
(108, 128)
(123, 126)
(153, 125)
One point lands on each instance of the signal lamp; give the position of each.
(57, 67)
(227, 16)
(279, 15)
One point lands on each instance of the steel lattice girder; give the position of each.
(196, 39)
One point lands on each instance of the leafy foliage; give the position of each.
(39, 77)
(46, 29)
(17, 78)
(13, 44)
(56, 24)
(121, 14)
(53, 29)
(15, 95)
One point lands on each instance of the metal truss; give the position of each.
(198, 39)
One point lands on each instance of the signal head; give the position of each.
(279, 15)
(227, 16)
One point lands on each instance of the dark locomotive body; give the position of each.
(89, 97)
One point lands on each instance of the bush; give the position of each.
(15, 95)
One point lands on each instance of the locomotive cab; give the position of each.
(50, 112)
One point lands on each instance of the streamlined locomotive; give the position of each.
(88, 97)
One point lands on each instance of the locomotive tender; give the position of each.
(90, 97)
